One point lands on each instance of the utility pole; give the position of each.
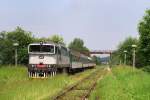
(133, 57)
(125, 57)
(16, 54)
(110, 60)
(134, 48)
(120, 62)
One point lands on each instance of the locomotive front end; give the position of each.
(42, 59)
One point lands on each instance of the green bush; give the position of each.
(146, 68)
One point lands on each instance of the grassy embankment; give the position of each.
(15, 84)
(122, 83)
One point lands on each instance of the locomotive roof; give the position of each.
(47, 43)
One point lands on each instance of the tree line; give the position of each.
(24, 38)
(143, 46)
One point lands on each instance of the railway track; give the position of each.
(82, 89)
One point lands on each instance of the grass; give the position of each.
(122, 83)
(15, 84)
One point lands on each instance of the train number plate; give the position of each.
(41, 57)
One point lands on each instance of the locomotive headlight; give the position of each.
(49, 66)
(33, 65)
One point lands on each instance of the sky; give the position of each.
(102, 24)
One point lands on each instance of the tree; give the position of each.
(126, 45)
(57, 39)
(115, 58)
(144, 39)
(6, 49)
(78, 45)
(7, 39)
(54, 38)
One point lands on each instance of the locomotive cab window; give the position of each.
(41, 48)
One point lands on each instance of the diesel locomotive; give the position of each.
(47, 58)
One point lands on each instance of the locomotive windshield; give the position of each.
(41, 48)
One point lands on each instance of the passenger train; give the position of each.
(47, 58)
